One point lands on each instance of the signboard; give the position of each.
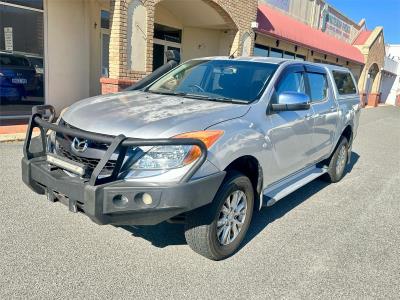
(8, 38)
(281, 4)
(333, 25)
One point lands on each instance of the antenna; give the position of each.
(232, 56)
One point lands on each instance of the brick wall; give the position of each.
(238, 13)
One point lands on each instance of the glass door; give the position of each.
(165, 38)
(105, 42)
(159, 49)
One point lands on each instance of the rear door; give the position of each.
(326, 115)
(291, 133)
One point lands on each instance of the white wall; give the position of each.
(390, 86)
(67, 53)
(137, 36)
(93, 10)
(202, 42)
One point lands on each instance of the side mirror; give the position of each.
(289, 101)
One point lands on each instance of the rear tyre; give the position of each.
(338, 162)
(216, 230)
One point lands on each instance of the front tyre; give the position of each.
(337, 164)
(216, 231)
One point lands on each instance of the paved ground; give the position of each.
(324, 241)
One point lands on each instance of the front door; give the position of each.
(291, 133)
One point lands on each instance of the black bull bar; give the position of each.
(119, 144)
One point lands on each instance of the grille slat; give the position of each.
(91, 163)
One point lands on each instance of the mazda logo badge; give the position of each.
(79, 145)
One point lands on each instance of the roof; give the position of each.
(279, 25)
(362, 37)
(270, 60)
(273, 60)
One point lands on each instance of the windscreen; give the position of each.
(217, 80)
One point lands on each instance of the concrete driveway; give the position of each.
(324, 241)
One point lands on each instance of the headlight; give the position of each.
(174, 156)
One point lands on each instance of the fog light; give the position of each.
(147, 199)
(120, 201)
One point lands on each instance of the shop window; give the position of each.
(21, 51)
(275, 53)
(105, 19)
(300, 57)
(260, 50)
(38, 4)
(167, 33)
(289, 55)
(318, 86)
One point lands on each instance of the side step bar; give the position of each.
(281, 189)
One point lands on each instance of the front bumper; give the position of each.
(97, 201)
(98, 196)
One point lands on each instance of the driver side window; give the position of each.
(290, 82)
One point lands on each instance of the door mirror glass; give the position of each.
(290, 101)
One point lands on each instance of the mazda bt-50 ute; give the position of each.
(205, 143)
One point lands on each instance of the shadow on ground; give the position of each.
(166, 234)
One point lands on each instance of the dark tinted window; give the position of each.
(300, 57)
(30, 3)
(105, 19)
(26, 28)
(344, 83)
(260, 50)
(167, 33)
(15, 61)
(275, 53)
(289, 55)
(318, 86)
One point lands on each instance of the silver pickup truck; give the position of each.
(205, 143)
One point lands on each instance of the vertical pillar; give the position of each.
(118, 77)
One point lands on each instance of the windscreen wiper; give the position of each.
(214, 98)
(167, 93)
(202, 97)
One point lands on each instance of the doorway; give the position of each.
(105, 42)
(165, 38)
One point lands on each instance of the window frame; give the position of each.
(260, 46)
(292, 68)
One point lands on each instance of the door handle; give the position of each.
(333, 108)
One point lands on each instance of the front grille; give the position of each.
(62, 148)
(91, 163)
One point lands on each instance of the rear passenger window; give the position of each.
(318, 86)
(344, 83)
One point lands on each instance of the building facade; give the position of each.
(73, 49)
(391, 76)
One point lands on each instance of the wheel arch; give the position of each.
(347, 133)
(249, 166)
